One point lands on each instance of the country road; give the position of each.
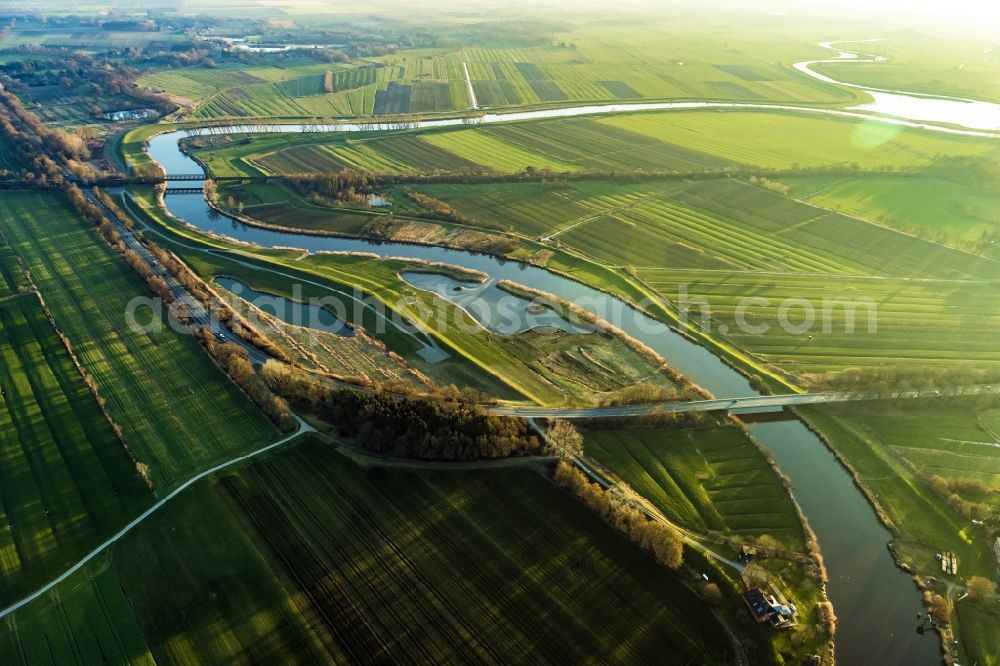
(302, 429)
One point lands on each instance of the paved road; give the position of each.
(757, 402)
(302, 429)
(195, 310)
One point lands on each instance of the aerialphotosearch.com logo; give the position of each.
(794, 315)
(484, 308)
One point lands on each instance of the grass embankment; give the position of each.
(299, 555)
(177, 411)
(132, 146)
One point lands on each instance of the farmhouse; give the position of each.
(768, 609)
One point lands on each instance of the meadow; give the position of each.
(178, 412)
(66, 480)
(306, 556)
(896, 449)
(709, 225)
(709, 480)
(12, 280)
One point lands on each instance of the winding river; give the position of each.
(876, 603)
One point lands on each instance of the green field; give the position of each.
(941, 210)
(84, 620)
(307, 557)
(66, 480)
(604, 61)
(707, 480)
(976, 625)
(711, 224)
(915, 324)
(12, 280)
(178, 412)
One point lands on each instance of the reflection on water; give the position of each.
(291, 312)
(972, 114)
(495, 309)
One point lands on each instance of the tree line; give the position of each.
(422, 427)
(661, 541)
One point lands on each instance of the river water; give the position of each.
(967, 113)
(875, 602)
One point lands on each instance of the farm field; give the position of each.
(677, 59)
(976, 631)
(941, 210)
(301, 553)
(796, 141)
(66, 480)
(84, 620)
(710, 480)
(758, 229)
(684, 141)
(715, 482)
(709, 224)
(920, 327)
(12, 280)
(177, 411)
(282, 206)
(787, 249)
